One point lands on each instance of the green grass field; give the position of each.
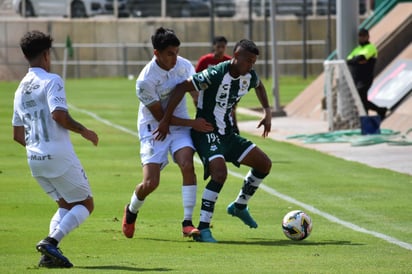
(377, 201)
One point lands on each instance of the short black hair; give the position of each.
(247, 45)
(164, 38)
(33, 43)
(363, 32)
(219, 39)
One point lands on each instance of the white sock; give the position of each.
(57, 218)
(135, 203)
(209, 199)
(189, 201)
(75, 217)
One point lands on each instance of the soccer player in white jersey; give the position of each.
(220, 87)
(153, 88)
(41, 123)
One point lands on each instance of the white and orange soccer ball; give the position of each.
(297, 225)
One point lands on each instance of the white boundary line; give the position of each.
(273, 192)
(104, 121)
(328, 216)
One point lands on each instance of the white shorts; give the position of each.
(72, 186)
(156, 152)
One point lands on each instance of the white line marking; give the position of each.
(273, 192)
(104, 121)
(328, 216)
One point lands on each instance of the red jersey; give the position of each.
(209, 60)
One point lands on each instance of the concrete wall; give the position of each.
(131, 30)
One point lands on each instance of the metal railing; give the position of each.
(129, 58)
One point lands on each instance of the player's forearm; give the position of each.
(176, 121)
(176, 96)
(64, 119)
(70, 124)
(262, 97)
(18, 135)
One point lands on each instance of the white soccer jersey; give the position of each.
(49, 150)
(154, 84)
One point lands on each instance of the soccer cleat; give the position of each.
(51, 251)
(128, 222)
(242, 214)
(47, 262)
(205, 236)
(190, 231)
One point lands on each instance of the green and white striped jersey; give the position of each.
(219, 92)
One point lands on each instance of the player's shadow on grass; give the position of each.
(267, 242)
(286, 242)
(125, 268)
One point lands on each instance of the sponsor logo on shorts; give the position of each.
(213, 148)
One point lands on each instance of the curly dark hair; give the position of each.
(33, 43)
(247, 45)
(164, 38)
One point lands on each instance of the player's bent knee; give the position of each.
(187, 166)
(267, 165)
(89, 204)
(264, 165)
(219, 175)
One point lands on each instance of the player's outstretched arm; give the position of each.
(198, 124)
(64, 119)
(266, 121)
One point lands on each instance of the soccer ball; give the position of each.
(297, 225)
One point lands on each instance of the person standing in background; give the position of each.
(361, 62)
(216, 56)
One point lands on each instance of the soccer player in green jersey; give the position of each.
(220, 87)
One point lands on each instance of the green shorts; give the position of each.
(233, 148)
